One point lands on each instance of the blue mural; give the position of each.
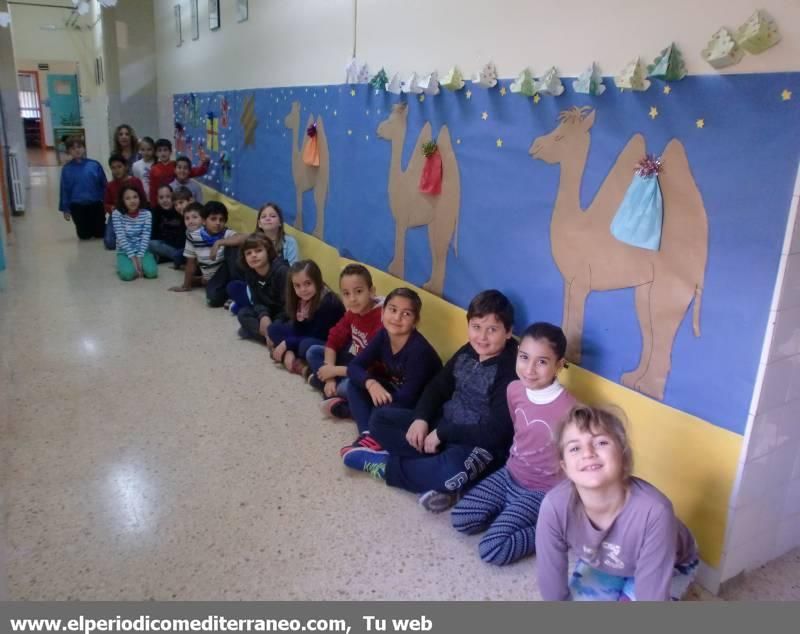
(741, 136)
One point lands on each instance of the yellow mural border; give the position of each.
(692, 461)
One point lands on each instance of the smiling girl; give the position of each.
(507, 502)
(630, 544)
(270, 223)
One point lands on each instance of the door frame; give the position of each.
(35, 74)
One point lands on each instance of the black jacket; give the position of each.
(268, 293)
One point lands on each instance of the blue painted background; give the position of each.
(744, 161)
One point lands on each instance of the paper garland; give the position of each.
(549, 83)
(722, 50)
(759, 33)
(590, 82)
(411, 85)
(668, 65)
(632, 77)
(453, 80)
(524, 84)
(430, 84)
(487, 76)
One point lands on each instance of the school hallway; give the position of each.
(148, 453)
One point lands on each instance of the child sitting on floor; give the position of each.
(265, 277)
(169, 233)
(508, 501)
(391, 372)
(629, 544)
(270, 222)
(313, 309)
(346, 339)
(460, 428)
(132, 226)
(183, 178)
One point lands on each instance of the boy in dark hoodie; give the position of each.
(461, 428)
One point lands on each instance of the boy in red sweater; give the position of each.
(346, 339)
(163, 170)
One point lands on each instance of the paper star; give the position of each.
(653, 112)
(349, 132)
(422, 98)
(786, 94)
(503, 91)
(367, 112)
(499, 142)
(468, 94)
(366, 137)
(667, 90)
(536, 98)
(700, 123)
(458, 141)
(324, 90)
(326, 106)
(352, 92)
(485, 116)
(377, 91)
(335, 113)
(306, 89)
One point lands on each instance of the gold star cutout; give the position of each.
(700, 123)
(536, 98)
(499, 142)
(421, 98)
(352, 92)
(667, 90)
(786, 94)
(349, 132)
(502, 91)
(485, 116)
(653, 112)
(468, 94)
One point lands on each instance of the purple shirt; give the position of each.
(645, 541)
(533, 462)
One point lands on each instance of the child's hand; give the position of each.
(378, 393)
(203, 156)
(326, 372)
(180, 289)
(68, 217)
(263, 324)
(214, 250)
(278, 352)
(416, 434)
(432, 442)
(330, 388)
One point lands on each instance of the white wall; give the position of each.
(297, 42)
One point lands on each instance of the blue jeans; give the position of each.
(164, 250)
(316, 359)
(238, 292)
(280, 331)
(110, 236)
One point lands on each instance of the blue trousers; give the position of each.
(450, 470)
(237, 291)
(110, 236)
(279, 331)
(316, 359)
(508, 510)
(167, 251)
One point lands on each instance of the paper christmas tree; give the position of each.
(759, 33)
(487, 76)
(590, 82)
(394, 86)
(668, 65)
(524, 84)
(380, 80)
(549, 83)
(453, 80)
(430, 84)
(351, 71)
(411, 85)
(363, 75)
(722, 50)
(632, 77)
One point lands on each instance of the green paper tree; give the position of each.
(668, 65)
(380, 80)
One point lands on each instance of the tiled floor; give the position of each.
(148, 453)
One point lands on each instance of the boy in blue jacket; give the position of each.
(83, 186)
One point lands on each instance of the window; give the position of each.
(29, 97)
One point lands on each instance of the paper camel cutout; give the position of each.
(412, 208)
(305, 176)
(591, 259)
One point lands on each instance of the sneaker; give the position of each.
(335, 407)
(228, 303)
(313, 381)
(243, 334)
(364, 441)
(437, 502)
(373, 463)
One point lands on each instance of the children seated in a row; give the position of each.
(132, 226)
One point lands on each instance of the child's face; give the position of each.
(215, 223)
(537, 365)
(304, 286)
(77, 151)
(147, 151)
(256, 258)
(131, 200)
(193, 220)
(163, 154)
(180, 205)
(487, 336)
(399, 317)
(118, 170)
(356, 294)
(182, 171)
(591, 460)
(268, 220)
(165, 198)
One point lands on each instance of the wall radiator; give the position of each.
(17, 190)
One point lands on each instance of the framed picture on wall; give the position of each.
(194, 19)
(241, 10)
(213, 15)
(178, 34)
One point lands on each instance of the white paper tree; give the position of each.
(722, 50)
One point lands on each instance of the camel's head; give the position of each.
(292, 120)
(570, 137)
(394, 125)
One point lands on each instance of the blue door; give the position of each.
(65, 104)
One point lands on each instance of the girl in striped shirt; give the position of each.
(133, 225)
